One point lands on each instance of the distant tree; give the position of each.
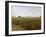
(28, 16)
(19, 16)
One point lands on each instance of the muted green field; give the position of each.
(26, 23)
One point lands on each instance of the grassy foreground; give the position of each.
(26, 23)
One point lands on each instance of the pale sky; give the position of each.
(31, 11)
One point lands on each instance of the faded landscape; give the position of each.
(26, 18)
(26, 23)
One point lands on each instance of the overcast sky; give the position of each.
(25, 11)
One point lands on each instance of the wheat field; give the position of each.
(26, 23)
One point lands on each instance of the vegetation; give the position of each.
(26, 23)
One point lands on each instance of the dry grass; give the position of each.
(25, 23)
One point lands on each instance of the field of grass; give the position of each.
(26, 23)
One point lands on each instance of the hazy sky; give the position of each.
(25, 11)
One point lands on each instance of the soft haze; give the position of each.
(25, 11)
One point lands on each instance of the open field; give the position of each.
(26, 23)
